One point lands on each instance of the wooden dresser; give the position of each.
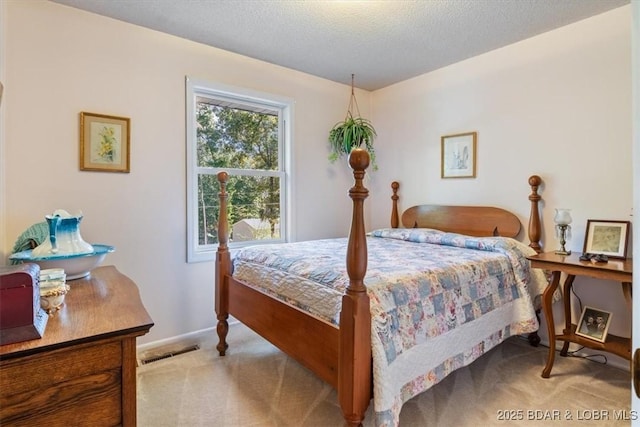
(83, 370)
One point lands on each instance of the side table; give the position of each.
(616, 270)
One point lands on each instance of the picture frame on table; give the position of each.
(458, 155)
(607, 237)
(594, 324)
(105, 144)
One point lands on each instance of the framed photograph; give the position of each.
(607, 237)
(104, 143)
(459, 155)
(594, 324)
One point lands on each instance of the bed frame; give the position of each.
(341, 356)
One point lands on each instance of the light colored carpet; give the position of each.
(257, 385)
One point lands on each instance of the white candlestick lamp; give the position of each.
(563, 229)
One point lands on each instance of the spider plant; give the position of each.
(354, 131)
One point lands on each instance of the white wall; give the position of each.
(60, 61)
(557, 105)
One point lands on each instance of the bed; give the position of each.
(397, 334)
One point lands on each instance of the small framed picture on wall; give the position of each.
(458, 155)
(104, 143)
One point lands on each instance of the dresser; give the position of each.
(83, 370)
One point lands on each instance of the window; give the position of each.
(243, 133)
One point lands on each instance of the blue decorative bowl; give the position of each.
(75, 266)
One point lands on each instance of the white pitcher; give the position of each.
(64, 236)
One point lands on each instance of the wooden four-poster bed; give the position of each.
(339, 350)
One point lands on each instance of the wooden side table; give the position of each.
(83, 369)
(616, 270)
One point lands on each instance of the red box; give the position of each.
(21, 317)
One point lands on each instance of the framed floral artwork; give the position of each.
(104, 143)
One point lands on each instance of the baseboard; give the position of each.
(169, 344)
(177, 339)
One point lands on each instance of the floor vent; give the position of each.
(169, 354)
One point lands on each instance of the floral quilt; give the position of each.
(438, 300)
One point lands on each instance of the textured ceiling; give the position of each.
(381, 42)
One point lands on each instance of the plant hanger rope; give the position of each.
(353, 102)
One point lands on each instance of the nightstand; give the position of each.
(616, 270)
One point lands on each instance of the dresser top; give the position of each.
(106, 303)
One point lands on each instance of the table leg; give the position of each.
(627, 291)
(566, 296)
(547, 301)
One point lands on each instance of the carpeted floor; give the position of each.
(257, 385)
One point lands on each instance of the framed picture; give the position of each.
(104, 143)
(594, 324)
(607, 237)
(459, 155)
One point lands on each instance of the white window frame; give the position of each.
(200, 88)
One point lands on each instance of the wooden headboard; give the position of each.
(480, 221)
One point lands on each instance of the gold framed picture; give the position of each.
(458, 155)
(594, 324)
(104, 143)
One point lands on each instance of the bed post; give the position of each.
(354, 369)
(534, 217)
(395, 222)
(223, 267)
(534, 237)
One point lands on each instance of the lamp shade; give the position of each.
(562, 217)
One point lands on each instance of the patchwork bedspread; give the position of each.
(438, 300)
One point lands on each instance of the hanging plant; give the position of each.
(354, 131)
